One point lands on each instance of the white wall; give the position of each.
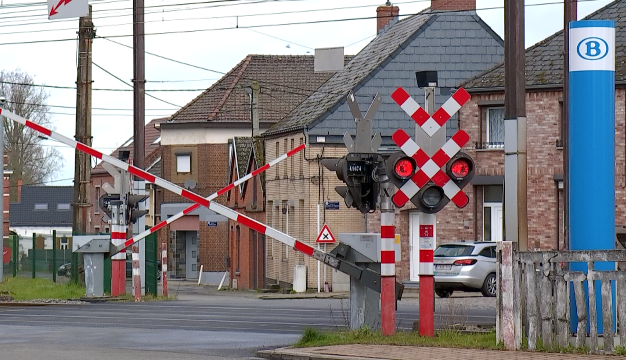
(201, 135)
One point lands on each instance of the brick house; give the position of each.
(98, 220)
(246, 246)
(448, 37)
(482, 118)
(196, 143)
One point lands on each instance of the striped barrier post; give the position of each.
(136, 274)
(164, 268)
(118, 261)
(427, 227)
(387, 261)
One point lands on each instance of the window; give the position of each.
(41, 206)
(301, 159)
(285, 170)
(183, 163)
(270, 222)
(283, 228)
(63, 206)
(291, 162)
(559, 141)
(106, 229)
(238, 230)
(254, 192)
(495, 127)
(301, 223)
(276, 157)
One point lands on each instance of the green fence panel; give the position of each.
(54, 255)
(107, 275)
(15, 254)
(151, 264)
(34, 255)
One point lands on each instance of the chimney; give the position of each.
(454, 5)
(19, 190)
(384, 15)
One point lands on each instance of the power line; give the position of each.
(95, 89)
(275, 24)
(152, 96)
(74, 107)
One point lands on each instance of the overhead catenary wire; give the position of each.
(270, 25)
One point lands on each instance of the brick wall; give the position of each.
(242, 252)
(96, 223)
(305, 192)
(453, 4)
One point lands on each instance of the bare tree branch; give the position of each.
(29, 159)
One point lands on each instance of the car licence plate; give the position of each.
(443, 267)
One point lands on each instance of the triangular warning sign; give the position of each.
(325, 236)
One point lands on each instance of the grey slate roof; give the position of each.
(338, 86)
(243, 149)
(458, 45)
(24, 213)
(544, 60)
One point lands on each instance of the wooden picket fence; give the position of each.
(540, 300)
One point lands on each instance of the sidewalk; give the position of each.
(390, 352)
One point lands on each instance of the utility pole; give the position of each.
(515, 197)
(3, 102)
(139, 114)
(82, 161)
(570, 14)
(139, 82)
(256, 90)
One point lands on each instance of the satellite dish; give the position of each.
(189, 184)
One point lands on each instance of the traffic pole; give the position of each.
(387, 260)
(118, 261)
(164, 268)
(427, 228)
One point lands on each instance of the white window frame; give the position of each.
(490, 146)
(178, 164)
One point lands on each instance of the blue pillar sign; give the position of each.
(592, 144)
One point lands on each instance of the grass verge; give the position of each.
(450, 339)
(31, 289)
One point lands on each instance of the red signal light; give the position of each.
(460, 168)
(404, 168)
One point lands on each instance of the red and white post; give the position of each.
(136, 274)
(387, 261)
(164, 268)
(428, 226)
(118, 261)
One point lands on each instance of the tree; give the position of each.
(30, 160)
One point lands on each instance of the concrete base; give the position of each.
(364, 306)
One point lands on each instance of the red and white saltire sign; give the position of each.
(430, 124)
(430, 168)
(387, 244)
(325, 236)
(65, 9)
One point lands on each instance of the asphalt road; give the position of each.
(199, 325)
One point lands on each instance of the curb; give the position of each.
(289, 354)
(22, 304)
(295, 297)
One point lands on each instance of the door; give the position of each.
(496, 214)
(192, 254)
(414, 247)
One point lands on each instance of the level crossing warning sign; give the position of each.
(325, 236)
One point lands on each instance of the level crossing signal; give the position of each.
(359, 172)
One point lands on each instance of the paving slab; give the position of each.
(391, 352)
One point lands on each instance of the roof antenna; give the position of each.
(388, 3)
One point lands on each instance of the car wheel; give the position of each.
(489, 286)
(444, 293)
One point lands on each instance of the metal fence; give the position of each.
(535, 300)
(46, 256)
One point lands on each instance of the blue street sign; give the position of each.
(212, 223)
(331, 205)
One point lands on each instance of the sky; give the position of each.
(206, 33)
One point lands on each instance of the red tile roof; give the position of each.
(285, 81)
